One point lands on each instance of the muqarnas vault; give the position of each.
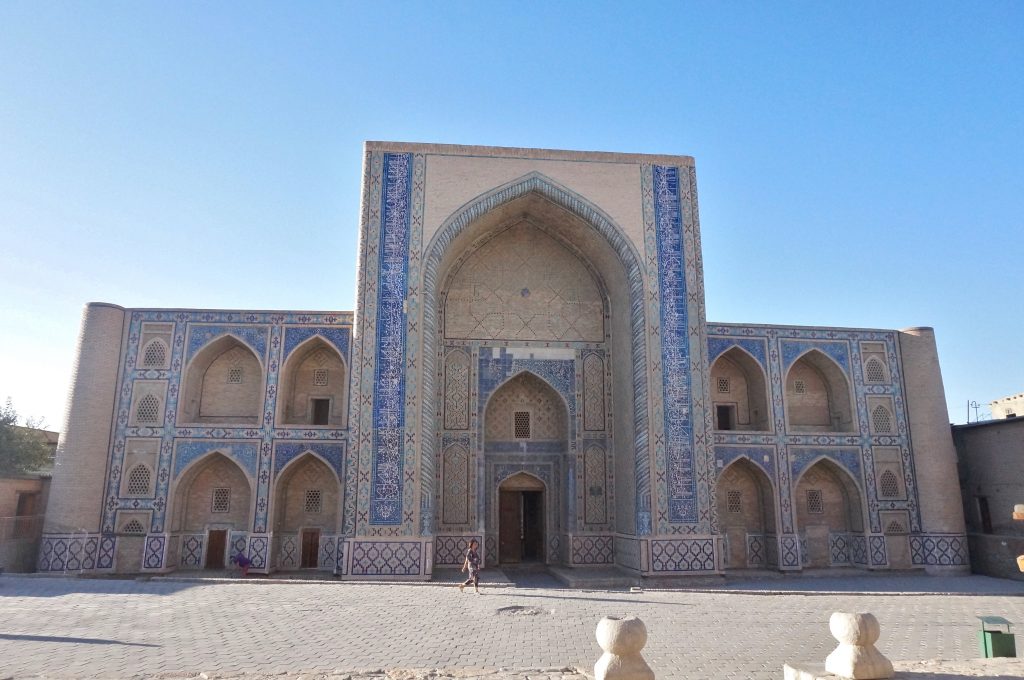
(529, 365)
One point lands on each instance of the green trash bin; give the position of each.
(995, 643)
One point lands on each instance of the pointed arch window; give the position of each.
(138, 481)
(889, 485)
(133, 527)
(881, 419)
(155, 354)
(874, 372)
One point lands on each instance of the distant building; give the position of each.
(22, 507)
(1007, 407)
(991, 460)
(528, 365)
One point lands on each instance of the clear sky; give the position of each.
(858, 164)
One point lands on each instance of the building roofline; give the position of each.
(532, 154)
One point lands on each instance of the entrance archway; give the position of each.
(521, 519)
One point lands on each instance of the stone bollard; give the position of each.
(856, 656)
(622, 640)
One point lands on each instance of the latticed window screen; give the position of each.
(138, 481)
(874, 371)
(155, 354)
(800, 387)
(723, 384)
(735, 502)
(889, 485)
(133, 527)
(521, 423)
(895, 527)
(314, 500)
(320, 377)
(148, 409)
(815, 503)
(881, 419)
(221, 500)
(235, 375)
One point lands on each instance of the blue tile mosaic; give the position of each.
(389, 378)
(717, 346)
(675, 347)
(839, 351)
(243, 453)
(201, 335)
(333, 454)
(848, 459)
(338, 337)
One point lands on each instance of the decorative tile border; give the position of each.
(683, 555)
(450, 551)
(387, 558)
(939, 550)
(593, 550)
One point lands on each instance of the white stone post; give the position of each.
(622, 640)
(856, 656)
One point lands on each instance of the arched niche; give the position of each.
(524, 519)
(746, 514)
(606, 254)
(818, 395)
(199, 499)
(739, 392)
(314, 386)
(525, 410)
(829, 511)
(223, 384)
(307, 495)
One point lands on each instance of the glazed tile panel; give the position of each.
(675, 347)
(389, 380)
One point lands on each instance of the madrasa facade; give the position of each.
(529, 365)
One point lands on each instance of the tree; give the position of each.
(22, 450)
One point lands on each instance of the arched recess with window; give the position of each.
(223, 384)
(746, 515)
(739, 392)
(307, 499)
(818, 395)
(212, 498)
(829, 513)
(314, 386)
(526, 416)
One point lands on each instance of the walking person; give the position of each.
(472, 562)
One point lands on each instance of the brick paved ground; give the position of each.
(117, 628)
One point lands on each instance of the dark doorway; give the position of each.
(521, 526)
(310, 548)
(321, 411)
(725, 417)
(216, 542)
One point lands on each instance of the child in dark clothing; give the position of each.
(472, 562)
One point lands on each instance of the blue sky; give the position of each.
(859, 164)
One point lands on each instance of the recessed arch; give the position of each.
(314, 385)
(525, 408)
(574, 220)
(224, 383)
(155, 353)
(817, 395)
(194, 495)
(739, 392)
(829, 508)
(304, 473)
(745, 499)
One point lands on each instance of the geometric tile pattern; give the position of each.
(296, 335)
(858, 550)
(450, 551)
(192, 550)
(755, 551)
(839, 548)
(288, 557)
(392, 558)
(682, 555)
(945, 550)
(153, 555)
(593, 550)
(593, 392)
(456, 390)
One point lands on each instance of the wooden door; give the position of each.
(533, 526)
(310, 548)
(216, 542)
(510, 534)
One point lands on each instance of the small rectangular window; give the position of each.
(735, 502)
(522, 424)
(815, 502)
(320, 377)
(321, 411)
(314, 501)
(723, 385)
(235, 375)
(800, 387)
(221, 500)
